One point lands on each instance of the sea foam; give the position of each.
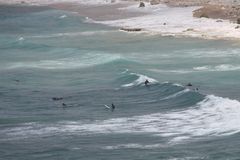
(214, 116)
(176, 21)
(140, 80)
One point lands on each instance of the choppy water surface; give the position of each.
(49, 53)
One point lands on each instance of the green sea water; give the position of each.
(47, 54)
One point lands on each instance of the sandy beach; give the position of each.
(202, 19)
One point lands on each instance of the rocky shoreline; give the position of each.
(164, 17)
(216, 9)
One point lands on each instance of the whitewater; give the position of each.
(58, 71)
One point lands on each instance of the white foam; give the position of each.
(179, 22)
(214, 116)
(176, 94)
(21, 39)
(205, 68)
(73, 34)
(125, 71)
(179, 71)
(201, 68)
(179, 85)
(45, 2)
(140, 80)
(133, 146)
(63, 16)
(221, 67)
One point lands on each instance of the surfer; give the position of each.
(146, 82)
(64, 105)
(113, 107)
(189, 85)
(16, 80)
(57, 98)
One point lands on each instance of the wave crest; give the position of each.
(214, 116)
(140, 80)
(221, 67)
(83, 61)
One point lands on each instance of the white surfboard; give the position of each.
(107, 106)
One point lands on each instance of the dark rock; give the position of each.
(204, 15)
(189, 85)
(141, 4)
(189, 30)
(238, 21)
(154, 2)
(219, 20)
(57, 98)
(131, 29)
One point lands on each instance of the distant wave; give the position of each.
(62, 16)
(179, 71)
(209, 53)
(133, 146)
(83, 2)
(72, 34)
(209, 115)
(176, 94)
(206, 68)
(221, 67)
(213, 116)
(86, 60)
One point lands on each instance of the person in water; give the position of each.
(146, 82)
(113, 107)
(189, 85)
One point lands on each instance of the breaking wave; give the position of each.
(72, 34)
(222, 67)
(139, 81)
(212, 116)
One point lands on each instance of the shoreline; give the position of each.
(99, 12)
(162, 19)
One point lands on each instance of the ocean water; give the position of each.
(50, 53)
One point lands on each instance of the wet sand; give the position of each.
(160, 19)
(216, 9)
(99, 12)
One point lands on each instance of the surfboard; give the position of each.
(107, 106)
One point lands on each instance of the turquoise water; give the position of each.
(44, 54)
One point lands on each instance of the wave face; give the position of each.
(140, 79)
(58, 72)
(82, 61)
(207, 116)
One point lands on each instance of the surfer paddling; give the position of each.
(189, 85)
(112, 107)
